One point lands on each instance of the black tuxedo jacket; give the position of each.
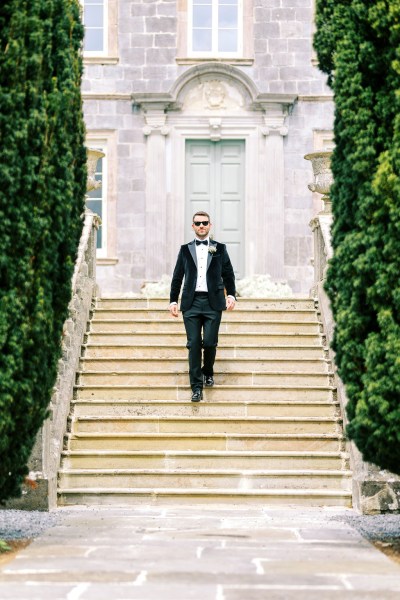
(220, 275)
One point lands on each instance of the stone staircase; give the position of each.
(269, 432)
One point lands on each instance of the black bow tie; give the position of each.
(198, 242)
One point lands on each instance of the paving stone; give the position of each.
(261, 593)
(150, 592)
(375, 583)
(323, 567)
(212, 554)
(45, 576)
(31, 591)
(314, 554)
(333, 535)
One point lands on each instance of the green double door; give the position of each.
(215, 183)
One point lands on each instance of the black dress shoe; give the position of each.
(208, 380)
(197, 395)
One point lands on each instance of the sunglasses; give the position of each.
(198, 223)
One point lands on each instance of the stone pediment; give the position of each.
(213, 89)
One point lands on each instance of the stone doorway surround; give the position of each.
(217, 102)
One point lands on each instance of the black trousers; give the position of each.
(202, 326)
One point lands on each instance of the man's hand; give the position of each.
(230, 303)
(173, 310)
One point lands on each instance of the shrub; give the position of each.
(43, 181)
(358, 42)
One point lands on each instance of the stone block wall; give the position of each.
(300, 206)
(283, 48)
(282, 62)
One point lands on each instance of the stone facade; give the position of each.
(287, 111)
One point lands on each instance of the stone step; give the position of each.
(207, 441)
(219, 392)
(146, 497)
(227, 351)
(151, 378)
(239, 314)
(170, 325)
(115, 459)
(203, 424)
(174, 339)
(165, 408)
(177, 365)
(296, 303)
(268, 432)
(159, 479)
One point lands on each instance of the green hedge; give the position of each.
(358, 45)
(43, 181)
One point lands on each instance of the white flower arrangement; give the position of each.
(256, 286)
(212, 249)
(262, 286)
(157, 289)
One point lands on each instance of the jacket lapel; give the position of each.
(209, 257)
(192, 249)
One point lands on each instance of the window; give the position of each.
(95, 19)
(103, 201)
(97, 199)
(215, 28)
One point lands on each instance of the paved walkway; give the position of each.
(199, 553)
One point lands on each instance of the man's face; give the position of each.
(200, 229)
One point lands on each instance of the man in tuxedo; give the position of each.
(207, 270)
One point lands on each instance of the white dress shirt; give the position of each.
(202, 256)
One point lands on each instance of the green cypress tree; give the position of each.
(43, 175)
(358, 45)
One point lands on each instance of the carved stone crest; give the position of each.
(214, 94)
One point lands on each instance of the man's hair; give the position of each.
(202, 213)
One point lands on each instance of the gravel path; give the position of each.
(22, 524)
(374, 527)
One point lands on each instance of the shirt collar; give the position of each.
(207, 239)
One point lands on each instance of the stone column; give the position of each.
(156, 193)
(274, 197)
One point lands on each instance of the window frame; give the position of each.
(101, 144)
(109, 54)
(214, 52)
(104, 51)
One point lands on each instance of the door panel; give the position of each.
(199, 179)
(215, 183)
(230, 216)
(234, 250)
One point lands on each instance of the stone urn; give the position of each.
(323, 178)
(93, 156)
